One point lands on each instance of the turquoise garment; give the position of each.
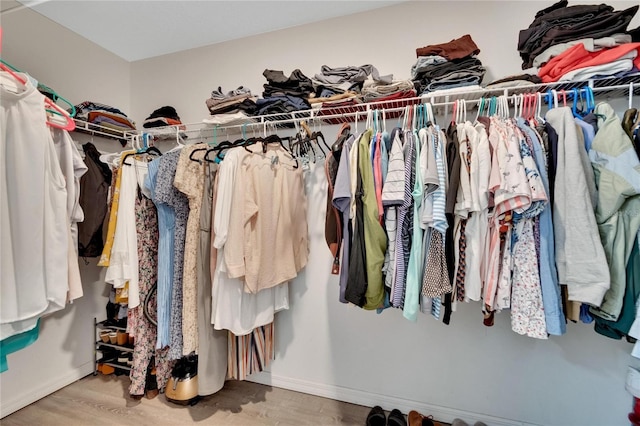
(386, 140)
(16, 343)
(414, 272)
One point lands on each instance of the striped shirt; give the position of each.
(405, 223)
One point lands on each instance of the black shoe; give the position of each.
(376, 417)
(396, 418)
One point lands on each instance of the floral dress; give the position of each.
(145, 333)
(527, 310)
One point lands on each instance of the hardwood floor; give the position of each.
(104, 400)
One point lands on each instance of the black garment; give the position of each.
(297, 84)
(559, 24)
(357, 281)
(94, 188)
(635, 34)
(552, 159)
(280, 105)
(333, 224)
(166, 112)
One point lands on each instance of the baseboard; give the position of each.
(11, 405)
(369, 399)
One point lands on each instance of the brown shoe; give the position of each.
(417, 419)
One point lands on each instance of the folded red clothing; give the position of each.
(577, 57)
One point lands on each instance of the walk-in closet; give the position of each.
(374, 213)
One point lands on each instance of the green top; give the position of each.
(375, 239)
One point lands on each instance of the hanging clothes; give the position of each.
(140, 326)
(342, 202)
(212, 344)
(580, 257)
(617, 173)
(233, 308)
(189, 179)
(166, 225)
(30, 286)
(94, 191)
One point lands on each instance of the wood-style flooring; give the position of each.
(104, 400)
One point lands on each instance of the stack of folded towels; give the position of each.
(447, 66)
(580, 42)
(109, 117)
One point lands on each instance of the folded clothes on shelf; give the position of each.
(529, 78)
(609, 61)
(374, 90)
(104, 115)
(163, 116)
(561, 23)
(590, 44)
(280, 105)
(296, 85)
(455, 49)
(239, 99)
(351, 74)
(431, 76)
(238, 117)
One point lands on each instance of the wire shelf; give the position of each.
(338, 112)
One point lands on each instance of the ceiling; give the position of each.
(142, 29)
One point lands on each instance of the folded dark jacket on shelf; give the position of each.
(562, 24)
(280, 105)
(455, 49)
(297, 84)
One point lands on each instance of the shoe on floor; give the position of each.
(417, 419)
(396, 418)
(376, 417)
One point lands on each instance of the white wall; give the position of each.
(324, 347)
(339, 351)
(78, 70)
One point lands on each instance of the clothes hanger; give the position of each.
(539, 116)
(343, 135)
(51, 106)
(146, 149)
(274, 138)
